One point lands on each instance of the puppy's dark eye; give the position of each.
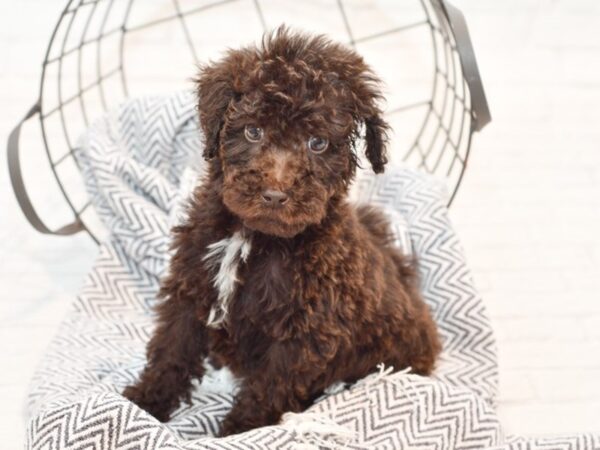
(253, 133)
(317, 144)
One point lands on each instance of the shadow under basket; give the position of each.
(104, 51)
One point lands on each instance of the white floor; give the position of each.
(528, 212)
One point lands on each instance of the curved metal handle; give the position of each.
(16, 179)
(479, 104)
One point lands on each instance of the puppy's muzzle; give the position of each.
(274, 199)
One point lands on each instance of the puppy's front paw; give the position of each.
(152, 404)
(228, 427)
(234, 425)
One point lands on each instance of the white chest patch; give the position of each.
(224, 256)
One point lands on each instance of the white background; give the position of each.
(528, 211)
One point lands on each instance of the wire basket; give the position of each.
(103, 51)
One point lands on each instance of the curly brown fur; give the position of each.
(321, 295)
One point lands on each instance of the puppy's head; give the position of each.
(282, 121)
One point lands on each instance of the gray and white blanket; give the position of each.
(139, 162)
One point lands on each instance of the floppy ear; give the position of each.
(376, 142)
(366, 96)
(215, 90)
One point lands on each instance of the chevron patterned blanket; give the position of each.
(137, 162)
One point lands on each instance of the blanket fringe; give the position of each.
(311, 428)
(387, 375)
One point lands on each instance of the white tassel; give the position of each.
(311, 428)
(387, 375)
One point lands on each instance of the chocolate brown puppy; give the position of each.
(275, 274)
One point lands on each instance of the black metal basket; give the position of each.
(102, 50)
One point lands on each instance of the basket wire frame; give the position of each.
(441, 145)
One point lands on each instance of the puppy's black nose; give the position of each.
(274, 198)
